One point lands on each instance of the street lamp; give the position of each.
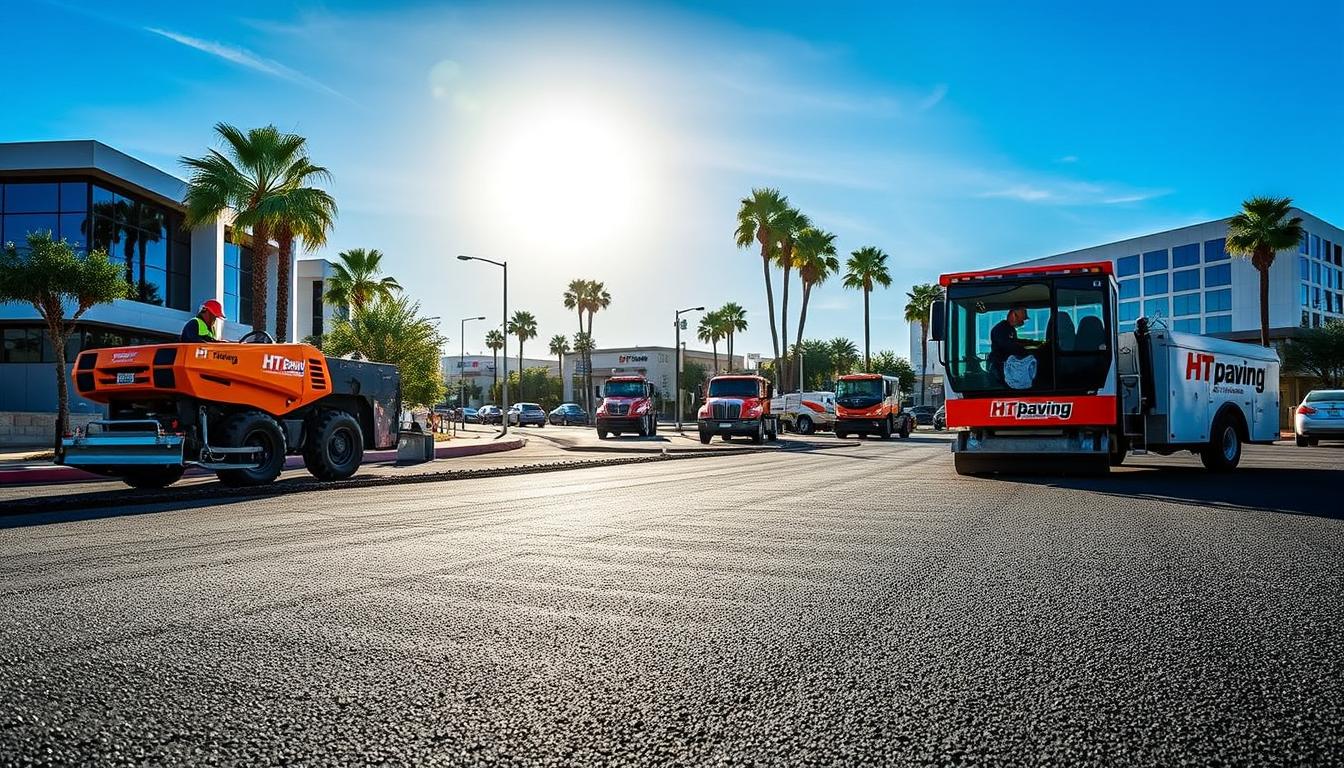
(504, 393)
(461, 380)
(677, 351)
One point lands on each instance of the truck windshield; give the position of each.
(866, 387)
(625, 389)
(733, 388)
(1058, 340)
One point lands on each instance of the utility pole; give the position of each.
(677, 364)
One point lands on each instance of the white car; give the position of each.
(805, 412)
(1321, 415)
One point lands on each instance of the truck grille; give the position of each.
(618, 409)
(726, 410)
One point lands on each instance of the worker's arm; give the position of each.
(1004, 341)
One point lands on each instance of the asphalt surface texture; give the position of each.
(855, 606)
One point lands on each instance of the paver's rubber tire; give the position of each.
(803, 425)
(885, 431)
(153, 477)
(1223, 452)
(905, 429)
(969, 465)
(601, 434)
(334, 448)
(705, 437)
(253, 428)
(759, 436)
(1301, 441)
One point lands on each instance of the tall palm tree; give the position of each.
(494, 339)
(844, 355)
(596, 299)
(789, 227)
(711, 330)
(1258, 233)
(297, 212)
(575, 298)
(559, 347)
(255, 168)
(355, 280)
(866, 268)
(583, 347)
(919, 299)
(734, 322)
(523, 325)
(816, 260)
(757, 218)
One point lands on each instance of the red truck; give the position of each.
(738, 404)
(627, 406)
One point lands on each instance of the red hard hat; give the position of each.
(214, 308)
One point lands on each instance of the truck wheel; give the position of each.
(759, 437)
(803, 425)
(335, 446)
(905, 429)
(153, 477)
(705, 437)
(253, 428)
(885, 431)
(1223, 452)
(601, 434)
(1301, 441)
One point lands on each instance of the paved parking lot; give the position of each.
(858, 605)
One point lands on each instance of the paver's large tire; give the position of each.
(256, 429)
(153, 477)
(969, 465)
(1223, 452)
(803, 425)
(334, 448)
(705, 437)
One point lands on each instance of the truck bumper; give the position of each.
(739, 427)
(859, 426)
(110, 449)
(620, 423)
(1008, 444)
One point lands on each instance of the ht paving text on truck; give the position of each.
(235, 409)
(627, 406)
(1038, 370)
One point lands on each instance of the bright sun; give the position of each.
(573, 175)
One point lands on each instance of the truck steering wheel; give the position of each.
(262, 337)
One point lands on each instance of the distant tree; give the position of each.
(693, 377)
(759, 219)
(789, 226)
(583, 347)
(710, 331)
(844, 355)
(919, 300)
(888, 363)
(1258, 233)
(734, 322)
(523, 324)
(50, 276)
(1318, 352)
(818, 367)
(816, 260)
(559, 346)
(355, 280)
(494, 339)
(393, 331)
(865, 269)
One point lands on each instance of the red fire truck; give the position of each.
(627, 406)
(1039, 373)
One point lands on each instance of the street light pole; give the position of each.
(504, 393)
(461, 380)
(677, 364)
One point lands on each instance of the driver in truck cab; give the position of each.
(1003, 341)
(202, 326)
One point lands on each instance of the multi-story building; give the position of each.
(657, 364)
(479, 370)
(98, 198)
(312, 314)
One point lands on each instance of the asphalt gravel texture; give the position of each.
(856, 606)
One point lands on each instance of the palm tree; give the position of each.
(757, 218)
(575, 296)
(524, 326)
(816, 260)
(788, 227)
(1260, 231)
(494, 339)
(559, 347)
(844, 355)
(734, 322)
(596, 298)
(918, 301)
(583, 346)
(867, 267)
(355, 281)
(711, 331)
(244, 180)
(298, 211)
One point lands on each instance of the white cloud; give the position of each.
(935, 96)
(1068, 159)
(245, 58)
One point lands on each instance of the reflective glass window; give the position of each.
(1215, 250)
(1186, 325)
(1218, 301)
(32, 198)
(1154, 284)
(1218, 275)
(1315, 272)
(74, 197)
(1185, 255)
(17, 227)
(73, 229)
(1218, 324)
(1129, 310)
(1185, 304)
(1185, 280)
(1126, 327)
(155, 252)
(1155, 260)
(1303, 268)
(1127, 265)
(1315, 297)
(1129, 289)
(1305, 295)
(1302, 245)
(1157, 307)
(1316, 246)
(21, 345)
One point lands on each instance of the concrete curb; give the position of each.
(59, 474)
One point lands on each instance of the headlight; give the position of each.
(642, 409)
(704, 412)
(753, 413)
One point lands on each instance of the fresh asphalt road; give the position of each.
(841, 607)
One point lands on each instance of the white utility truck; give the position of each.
(1038, 374)
(805, 412)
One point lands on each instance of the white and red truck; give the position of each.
(627, 406)
(1061, 386)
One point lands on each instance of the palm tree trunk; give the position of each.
(714, 345)
(784, 324)
(867, 339)
(494, 383)
(1264, 306)
(923, 362)
(260, 241)
(286, 245)
(58, 339)
(520, 370)
(802, 315)
(770, 304)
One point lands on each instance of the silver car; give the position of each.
(1321, 415)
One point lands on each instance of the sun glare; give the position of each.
(573, 175)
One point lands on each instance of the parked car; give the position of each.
(524, 414)
(940, 418)
(488, 414)
(568, 413)
(923, 414)
(468, 413)
(1321, 415)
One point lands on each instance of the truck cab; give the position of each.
(870, 404)
(627, 406)
(738, 405)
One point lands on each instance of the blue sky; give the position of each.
(614, 140)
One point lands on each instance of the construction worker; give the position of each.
(202, 326)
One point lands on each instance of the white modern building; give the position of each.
(312, 314)
(99, 198)
(479, 370)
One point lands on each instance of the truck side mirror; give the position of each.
(937, 320)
